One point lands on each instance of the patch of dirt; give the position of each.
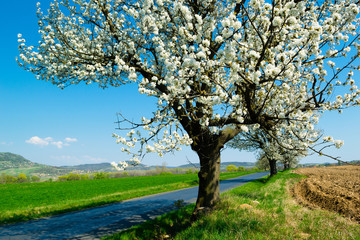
(331, 188)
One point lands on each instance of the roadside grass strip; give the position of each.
(25, 201)
(262, 209)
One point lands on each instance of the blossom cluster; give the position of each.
(337, 143)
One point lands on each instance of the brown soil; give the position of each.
(331, 188)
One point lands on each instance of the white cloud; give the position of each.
(59, 144)
(39, 141)
(69, 140)
(42, 142)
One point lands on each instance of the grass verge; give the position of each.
(24, 201)
(275, 216)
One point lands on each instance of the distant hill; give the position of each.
(98, 167)
(105, 167)
(10, 160)
(14, 164)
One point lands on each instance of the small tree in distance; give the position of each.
(231, 168)
(21, 178)
(262, 163)
(290, 159)
(35, 179)
(241, 169)
(217, 68)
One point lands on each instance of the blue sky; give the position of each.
(75, 125)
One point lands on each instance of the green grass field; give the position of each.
(26, 201)
(276, 216)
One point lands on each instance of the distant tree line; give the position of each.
(233, 168)
(21, 178)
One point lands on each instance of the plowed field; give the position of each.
(331, 188)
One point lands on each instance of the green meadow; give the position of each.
(24, 201)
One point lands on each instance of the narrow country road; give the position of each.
(97, 222)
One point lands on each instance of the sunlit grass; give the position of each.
(275, 216)
(19, 202)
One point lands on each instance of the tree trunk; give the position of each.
(207, 145)
(208, 194)
(273, 170)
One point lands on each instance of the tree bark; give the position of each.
(208, 194)
(273, 169)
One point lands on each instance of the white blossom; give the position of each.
(338, 143)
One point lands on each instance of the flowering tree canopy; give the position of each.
(285, 148)
(217, 68)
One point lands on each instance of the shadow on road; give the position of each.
(125, 223)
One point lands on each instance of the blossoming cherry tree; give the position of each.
(217, 68)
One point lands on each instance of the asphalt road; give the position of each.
(97, 222)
